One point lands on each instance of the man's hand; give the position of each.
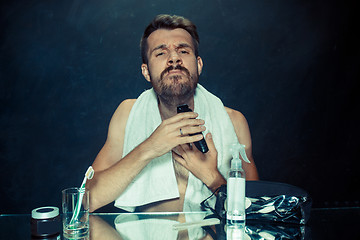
(173, 132)
(201, 165)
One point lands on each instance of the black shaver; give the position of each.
(201, 145)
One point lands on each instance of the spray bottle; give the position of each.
(236, 187)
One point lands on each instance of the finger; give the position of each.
(192, 130)
(188, 123)
(181, 116)
(210, 143)
(190, 139)
(178, 158)
(179, 150)
(184, 148)
(192, 126)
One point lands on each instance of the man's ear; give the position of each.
(145, 72)
(200, 64)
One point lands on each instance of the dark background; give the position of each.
(291, 67)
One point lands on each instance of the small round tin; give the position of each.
(45, 222)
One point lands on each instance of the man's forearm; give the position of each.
(110, 183)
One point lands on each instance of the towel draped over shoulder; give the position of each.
(157, 181)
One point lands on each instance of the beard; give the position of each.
(175, 89)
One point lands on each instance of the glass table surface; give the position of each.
(324, 223)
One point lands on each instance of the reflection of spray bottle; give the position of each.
(236, 233)
(236, 187)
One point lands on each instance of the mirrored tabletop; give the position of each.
(324, 223)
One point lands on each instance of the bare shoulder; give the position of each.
(236, 116)
(111, 152)
(243, 133)
(119, 118)
(240, 125)
(124, 108)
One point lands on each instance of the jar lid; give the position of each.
(45, 212)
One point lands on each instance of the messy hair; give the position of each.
(168, 22)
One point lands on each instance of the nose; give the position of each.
(174, 59)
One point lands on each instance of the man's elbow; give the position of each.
(93, 204)
(253, 178)
(251, 173)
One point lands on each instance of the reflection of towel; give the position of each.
(131, 227)
(147, 229)
(157, 180)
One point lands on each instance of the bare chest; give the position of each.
(181, 172)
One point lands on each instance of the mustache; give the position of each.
(177, 67)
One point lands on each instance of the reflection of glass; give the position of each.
(80, 226)
(236, 232)
(86, 237)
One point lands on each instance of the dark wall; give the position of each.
(291, 67)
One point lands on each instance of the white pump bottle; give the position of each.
(236, 187)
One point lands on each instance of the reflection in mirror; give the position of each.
(152, 226)
(171, 226)
(100, 229)
(148, 226)
(236, 232)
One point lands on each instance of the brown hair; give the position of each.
(165, 21)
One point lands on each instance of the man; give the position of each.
(126, 168)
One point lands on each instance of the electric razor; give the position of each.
(201, 145)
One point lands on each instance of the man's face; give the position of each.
(173, 69)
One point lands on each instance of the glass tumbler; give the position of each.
(75, 206)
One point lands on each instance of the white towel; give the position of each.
(157, 181)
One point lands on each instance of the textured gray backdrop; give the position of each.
(291, 67)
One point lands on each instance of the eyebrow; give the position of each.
(181, 45)
(184, 45)
(158, 47)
